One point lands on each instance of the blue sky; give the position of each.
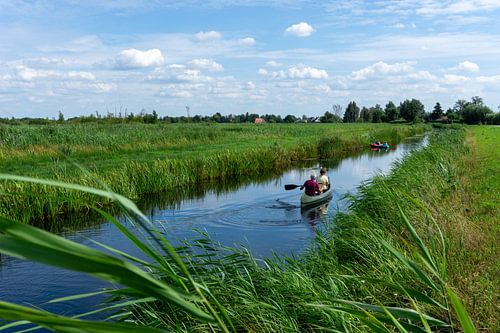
(282, 57)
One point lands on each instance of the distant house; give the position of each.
(313, 120)
(259, 121)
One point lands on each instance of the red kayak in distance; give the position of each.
(379, 146)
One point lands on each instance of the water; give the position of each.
(261, 216)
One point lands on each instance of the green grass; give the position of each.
(386, 266)
(382, 267)
(138, 159)
(476, 261)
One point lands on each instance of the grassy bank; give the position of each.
(136, 159)
(394, 263)
(475, 265)
(370, 256)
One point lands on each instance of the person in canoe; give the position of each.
(311, 186)
(324, 182)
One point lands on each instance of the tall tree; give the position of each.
(377, 113)
(411, 110)
(366, 115)
(60, 119)
(437, 112)
(391, 111)
(459, 106)
(475, 113)
(337, 110)
(476, 100)
(329, 117)
(351, 113)
(290, 118)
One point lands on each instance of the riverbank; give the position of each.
(391, 263)
(135, 160)
(475, 264)
(406, 244)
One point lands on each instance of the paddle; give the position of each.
(292, 186)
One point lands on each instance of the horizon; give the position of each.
(282, 57)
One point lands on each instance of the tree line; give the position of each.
(468, 112)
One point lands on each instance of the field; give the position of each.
(136, 159)
(415, 247)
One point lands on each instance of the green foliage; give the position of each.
(377, 114)
(411, 110)
(329, 117)
(134, 159)
(437, 112)
(391, 111)
(176, 286)
(475, 113)
(382, 267)
(351, 114)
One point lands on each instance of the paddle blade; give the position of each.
(291, 186)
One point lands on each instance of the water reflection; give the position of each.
(315, 215)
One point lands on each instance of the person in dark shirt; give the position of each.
(311, 186)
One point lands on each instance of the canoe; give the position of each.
(307, 200)
(374, 145)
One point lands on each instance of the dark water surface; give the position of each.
(262, 216)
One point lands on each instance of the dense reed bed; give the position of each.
(388, 265)
(138, 159)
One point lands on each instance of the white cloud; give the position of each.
(207, 64)
(102, 87)
(175, 94)
(403, 26)
(262, 71)
(26, 73)
(421, 76)
(300, 72)
(133, 58)
(434, 7)
(455, 79)
(84, 87)
(247, 41)
(273, 63)
(192, 75)
(301, 29)
(381, 69)
(488, 79)
(208, 36)
(468, 66)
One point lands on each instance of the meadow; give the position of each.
(416, 246)
(138, 159)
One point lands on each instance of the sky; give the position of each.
(296, 57)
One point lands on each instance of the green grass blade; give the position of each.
(121, 200)
(421, 245)
(26, 242)
(411, 265)
(396, 286)
(460, 311)
(61, 324)
(409, 314)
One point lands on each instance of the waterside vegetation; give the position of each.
(138, 159)
(393, 263)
